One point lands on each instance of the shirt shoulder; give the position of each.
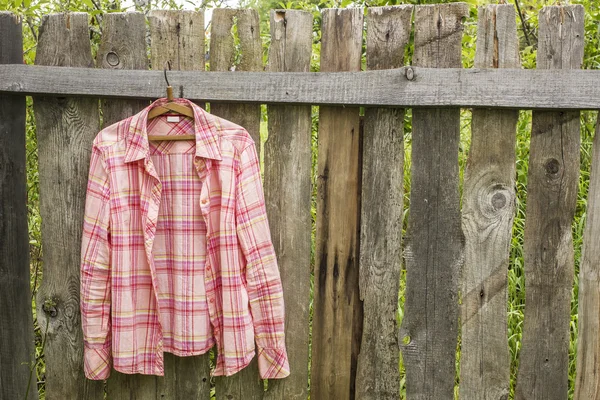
(112, 134)
(236, 135)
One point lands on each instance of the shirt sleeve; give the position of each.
(95, 272)
(262, 274)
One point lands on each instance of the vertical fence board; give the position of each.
(378, 374)
(178, 37)
(245, 384)
(123, 46)
(288, 163)
(551, 200)
(226, 21)
(434, 252)
(17, 353)
(337, 310)
(587, 383)
(487, 217)
(65, 130)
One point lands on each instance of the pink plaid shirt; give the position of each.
(176, 250)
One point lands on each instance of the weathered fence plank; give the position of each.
(288, 163)
(587, 382)
(174, 38)
(123, 46)
(434, 251)
(337, 310)
(388, 33)
(178, 37)
(245, 384)
(551, 200)
(65, 130)
(223, 58)
(454, 87)
(487, 217)
(17, 353)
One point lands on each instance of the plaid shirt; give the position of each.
(176, 250)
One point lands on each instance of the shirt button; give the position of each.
(204, 201)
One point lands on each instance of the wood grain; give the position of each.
(185, 378)
(337, 309)
(434, 251)
(288, 161)
(551, 200)
(177, 37)
(378, 374)
(487, 216)
(587, 381)
(454, 87)
(223, 58)
(17, 351)
(245, 384)
(123, 46)
(65, 130)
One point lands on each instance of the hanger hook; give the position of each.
(165, 71)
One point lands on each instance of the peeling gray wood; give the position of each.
(337, 309)
(17, 351)
(434, 251)
(123, 46)
(487, 218)
(498, 88)
(245, 384)
(382, 197)
(587, 382)
(288, 160)
(65, 130)
(551, 199)
(223, 57)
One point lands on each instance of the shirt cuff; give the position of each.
(273, 363)
(97, 362)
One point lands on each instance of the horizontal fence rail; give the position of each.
(408, 86)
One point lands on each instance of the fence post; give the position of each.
(552, 184)
(66, 128)
(288, 195)
(16, 329)
(178, 37)
(382, 198)
(487, 218)
(245, 384)
(337, 309)
(434, 250)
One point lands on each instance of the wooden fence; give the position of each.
(450, 251)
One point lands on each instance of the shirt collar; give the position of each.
(207, 138)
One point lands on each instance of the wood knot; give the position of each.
(112, 59)
(49, 307)
(552, 166)
(498, 200)
(410, 73)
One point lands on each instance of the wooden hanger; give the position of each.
(170, 107)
